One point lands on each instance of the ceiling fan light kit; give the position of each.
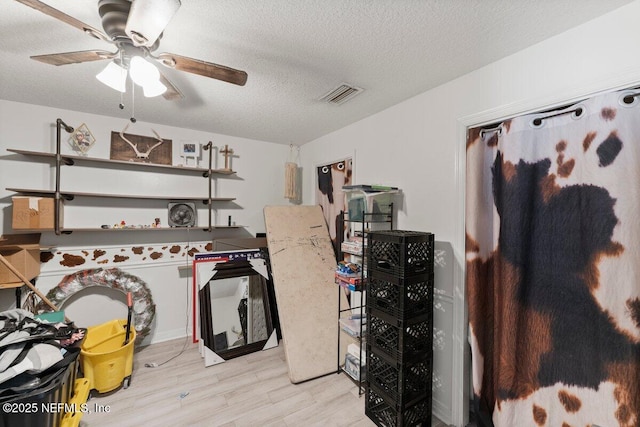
(114, 76)
(153, 89)
(145, 74)
(142, 71)
(135, 28)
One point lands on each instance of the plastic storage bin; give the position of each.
(369, 199)
(106, 361)
(32, 408)
(354, 368)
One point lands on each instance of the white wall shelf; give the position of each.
(70, 195)
(59, 195)
(71, 159)
(86, 229)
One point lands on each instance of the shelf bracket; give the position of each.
(57, 226)
(209, 147)
(67, 161)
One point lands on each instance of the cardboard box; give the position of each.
(33, 213)
(22, 251)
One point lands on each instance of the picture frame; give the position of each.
(191, 149)
(82, 139)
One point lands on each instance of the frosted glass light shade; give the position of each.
(153, 88)
(143, 71)
(148, 19)
(114, 76)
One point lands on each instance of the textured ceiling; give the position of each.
(293, 51)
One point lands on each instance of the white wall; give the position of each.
(418, 145)
(259, 181)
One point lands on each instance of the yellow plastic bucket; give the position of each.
(106, 362)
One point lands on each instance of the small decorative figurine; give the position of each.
(227, 152)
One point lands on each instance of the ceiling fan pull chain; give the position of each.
(133, 103)
(121, 105)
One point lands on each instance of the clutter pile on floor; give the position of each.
(30, 346)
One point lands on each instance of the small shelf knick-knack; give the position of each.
(227, 152)
(82, 140)
(190, 153)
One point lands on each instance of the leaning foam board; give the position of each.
(303, 267)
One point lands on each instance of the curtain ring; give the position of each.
(628, 98)
(497, 129)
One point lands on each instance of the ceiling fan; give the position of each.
(135, 28)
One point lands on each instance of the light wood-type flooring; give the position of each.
(251, 390)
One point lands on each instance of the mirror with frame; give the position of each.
(235, 314)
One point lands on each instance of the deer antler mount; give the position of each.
(141, 151)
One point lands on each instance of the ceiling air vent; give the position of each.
(341, 94)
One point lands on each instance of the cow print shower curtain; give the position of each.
(553, 266)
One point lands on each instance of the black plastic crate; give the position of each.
(385, 413)
(403, 297)
(401, 341)
(399, 252)
(401, 382)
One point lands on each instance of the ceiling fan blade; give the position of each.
(172, 93)
(75, 57)
(61, 16)
(207, 69)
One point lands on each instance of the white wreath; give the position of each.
(144, 309)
